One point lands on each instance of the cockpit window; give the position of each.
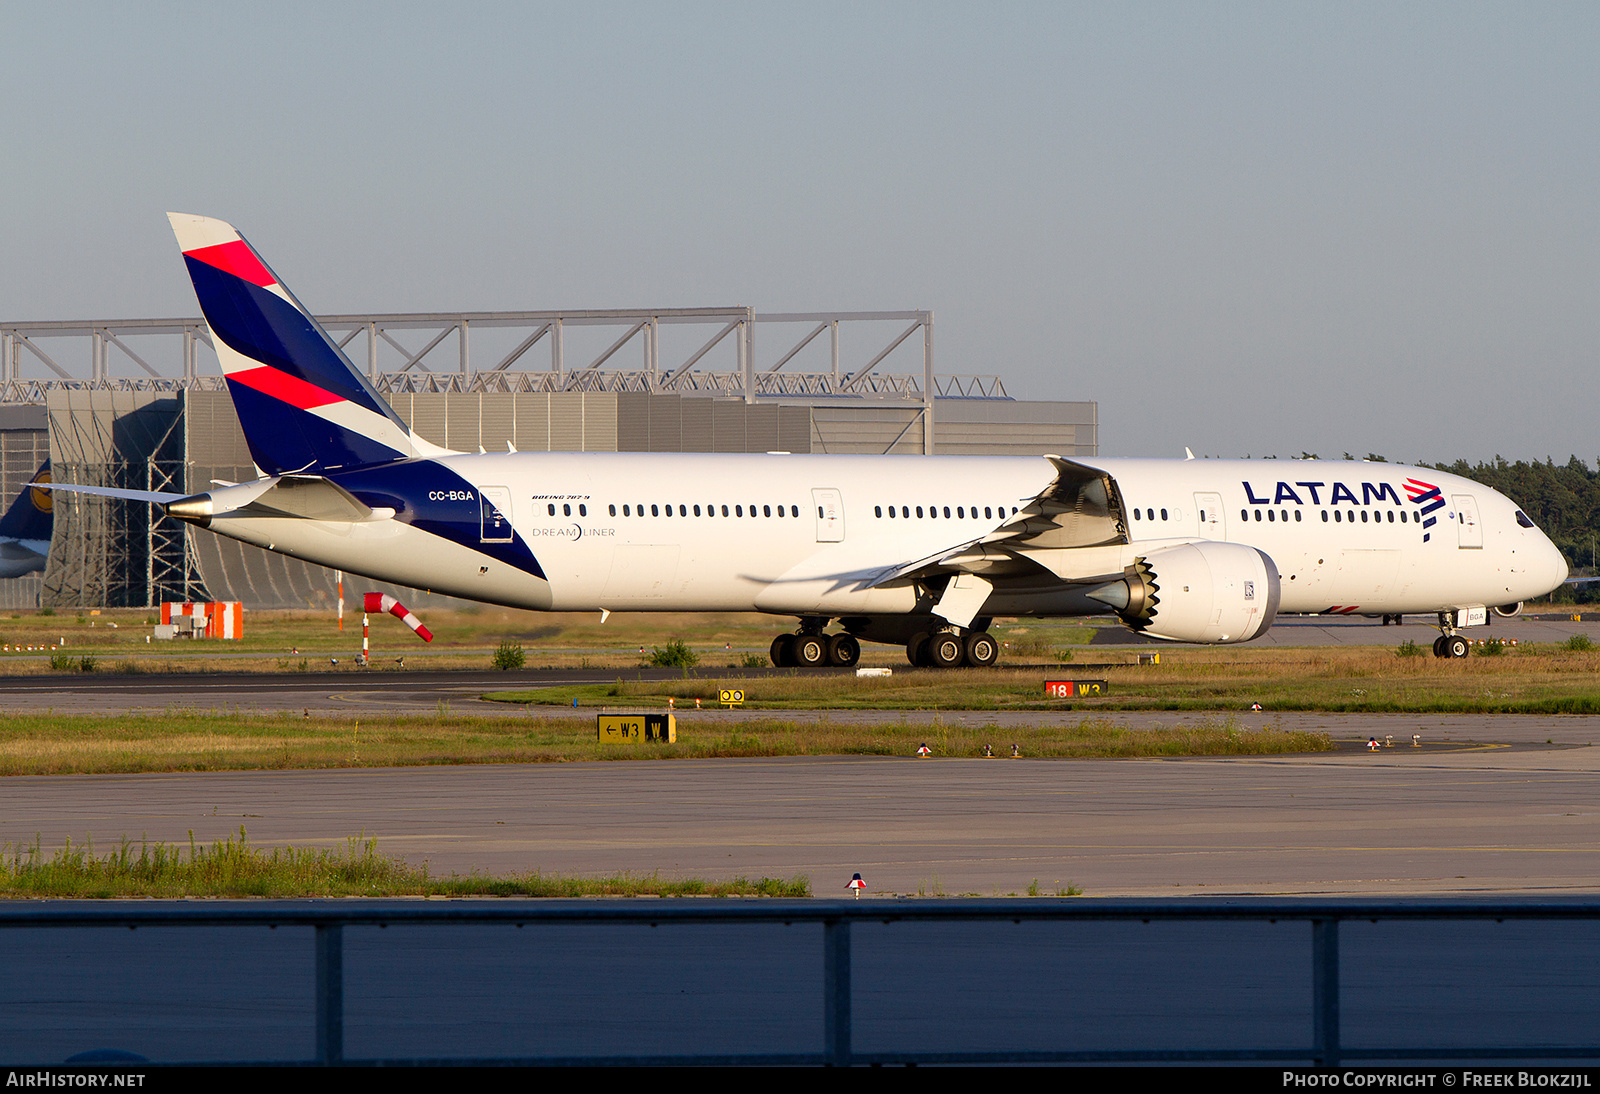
(1522, 519)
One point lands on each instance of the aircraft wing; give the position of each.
(1073, 529)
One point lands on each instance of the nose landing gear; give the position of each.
(1449, 643)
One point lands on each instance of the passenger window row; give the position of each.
(1150, 514)
(961, 512)
(658, 510)
(1377, 516)
(566, 510)
(1340, 516)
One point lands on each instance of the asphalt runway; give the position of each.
(1401, 821)
(1489, 804)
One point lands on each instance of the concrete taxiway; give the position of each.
(1491, 804)
(1472, 821)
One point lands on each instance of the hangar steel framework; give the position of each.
(112, 351)
(132, 403)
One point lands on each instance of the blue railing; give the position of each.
(1323, 1045)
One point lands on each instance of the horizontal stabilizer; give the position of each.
(306, 497)
(314, 499)
(155, 497)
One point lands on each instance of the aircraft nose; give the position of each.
(1553, 564)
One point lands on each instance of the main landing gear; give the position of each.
(811, 648)
(949, 648)
(946, 647)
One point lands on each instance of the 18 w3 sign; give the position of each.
(1073, 689)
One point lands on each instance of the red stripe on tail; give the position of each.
(290, 389)
(236, 258)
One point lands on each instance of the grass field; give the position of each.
(115, 640)
(1210, 683)
(1523, 679)
(191, 741)
(234, 868)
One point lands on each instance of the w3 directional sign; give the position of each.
(1073, 689)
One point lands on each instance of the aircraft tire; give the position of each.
(843, 650)
(782, 653)
(981, 649)
(916, 646)
(810, 650)
(945, 650)
(1438, 647)
(1457, 646)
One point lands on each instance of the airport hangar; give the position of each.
(137, 404)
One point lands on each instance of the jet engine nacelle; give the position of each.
(1200, 592)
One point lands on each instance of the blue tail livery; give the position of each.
(25, 529)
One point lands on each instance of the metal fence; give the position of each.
(1322, 1046)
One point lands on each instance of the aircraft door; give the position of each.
(830, 515)
(1469, 532)
(1208, 510)
(495, 513)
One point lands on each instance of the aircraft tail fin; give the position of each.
(30, 515)
(302, 404)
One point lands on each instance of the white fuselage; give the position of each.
(598, 525)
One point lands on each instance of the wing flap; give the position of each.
(1074, 529)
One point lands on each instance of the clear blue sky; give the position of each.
(1246, 228)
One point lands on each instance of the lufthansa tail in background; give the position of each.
(25, 529)
(920, 550)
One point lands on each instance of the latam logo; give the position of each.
(1426, 495)
(1371, 493)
